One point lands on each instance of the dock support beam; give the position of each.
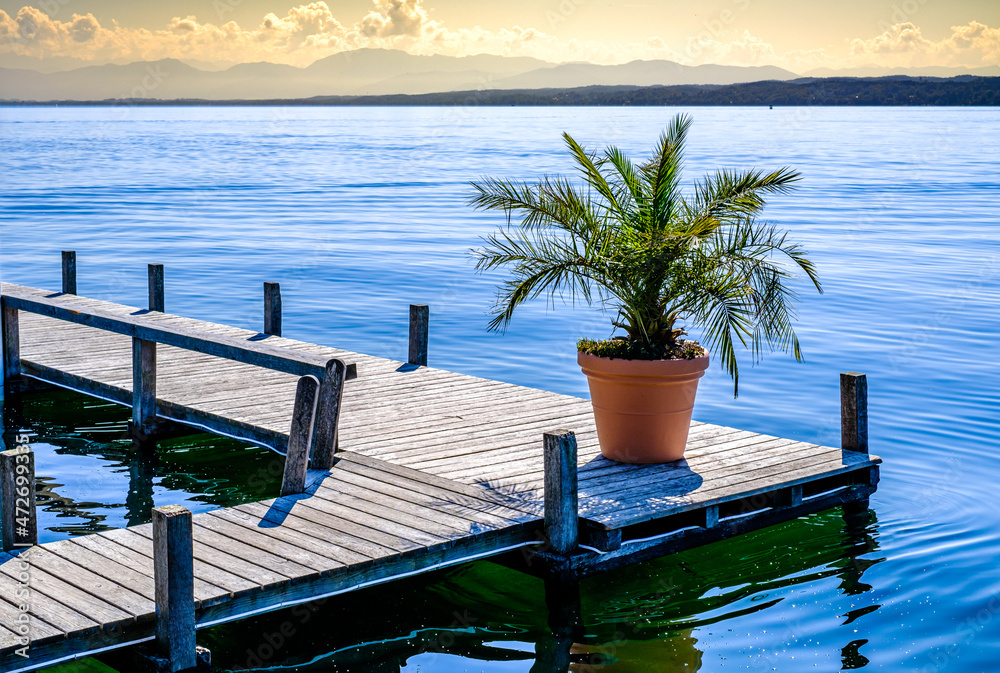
(419, 318)
(300, 436)
(854, 412)
(173, 574)
(331, 391)
(69, 271)
(156, 287)
(561, 523)
(143, 388)
(17, 497)
(272, 309)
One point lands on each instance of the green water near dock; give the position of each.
(480, 616)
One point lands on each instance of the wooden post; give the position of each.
(300, 436)
(331, 390)
(854, 412)
(272, 309)
(173, 576)
(419, 315)
(11, 344)
(143, 386)
(561, 524)
(156, 287)
(17, 497)
(69, 271)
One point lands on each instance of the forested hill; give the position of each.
(895, 90)
(964, 90)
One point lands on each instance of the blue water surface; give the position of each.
(358, 212)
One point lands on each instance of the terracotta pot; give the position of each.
(642, 407)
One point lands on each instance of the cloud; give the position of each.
(308, 32)
(904, 45)
(745, 50)
(395, 17)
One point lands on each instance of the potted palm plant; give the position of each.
(628, 238)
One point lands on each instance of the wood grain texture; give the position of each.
(173, 566)
(300, 436)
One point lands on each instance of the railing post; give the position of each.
(854, 412)
(156, 287)
(272, 309)
(143, 387)
(419, 315)
(300, 436)
(173, 576)
(331, 391)
(11, 343)
(561, 523)
(69, 271)
(17, 497)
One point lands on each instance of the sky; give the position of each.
(795, 34)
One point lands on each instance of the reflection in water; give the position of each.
(668, 613)
(91, 477)
(663, 613)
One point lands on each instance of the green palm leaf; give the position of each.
(626, 235)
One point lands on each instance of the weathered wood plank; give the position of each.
(47, 610)
(123, 555)
(131, 539)
(66, 593)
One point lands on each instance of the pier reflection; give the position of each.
(670, 612)
(91, 477)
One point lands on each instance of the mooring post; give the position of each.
(143, 387)
(854, 412)
(419, 317)
(69, 271)
(272, 309)
(561, 524)
(17, 497)
(156, 287)
(300, 436)
(173, 576)
(331, 391)
(11, 343)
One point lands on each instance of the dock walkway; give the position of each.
(433, 468)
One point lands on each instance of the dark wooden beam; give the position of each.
(69, 271)
(156, 294)
(419, 318)
(272, 309)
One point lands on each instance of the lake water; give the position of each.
(358, 212)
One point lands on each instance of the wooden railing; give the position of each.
(146, 333)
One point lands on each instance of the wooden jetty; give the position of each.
(414, 468)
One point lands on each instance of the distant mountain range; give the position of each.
(360, 72)
(381, 72)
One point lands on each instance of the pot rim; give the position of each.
(641, 368)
